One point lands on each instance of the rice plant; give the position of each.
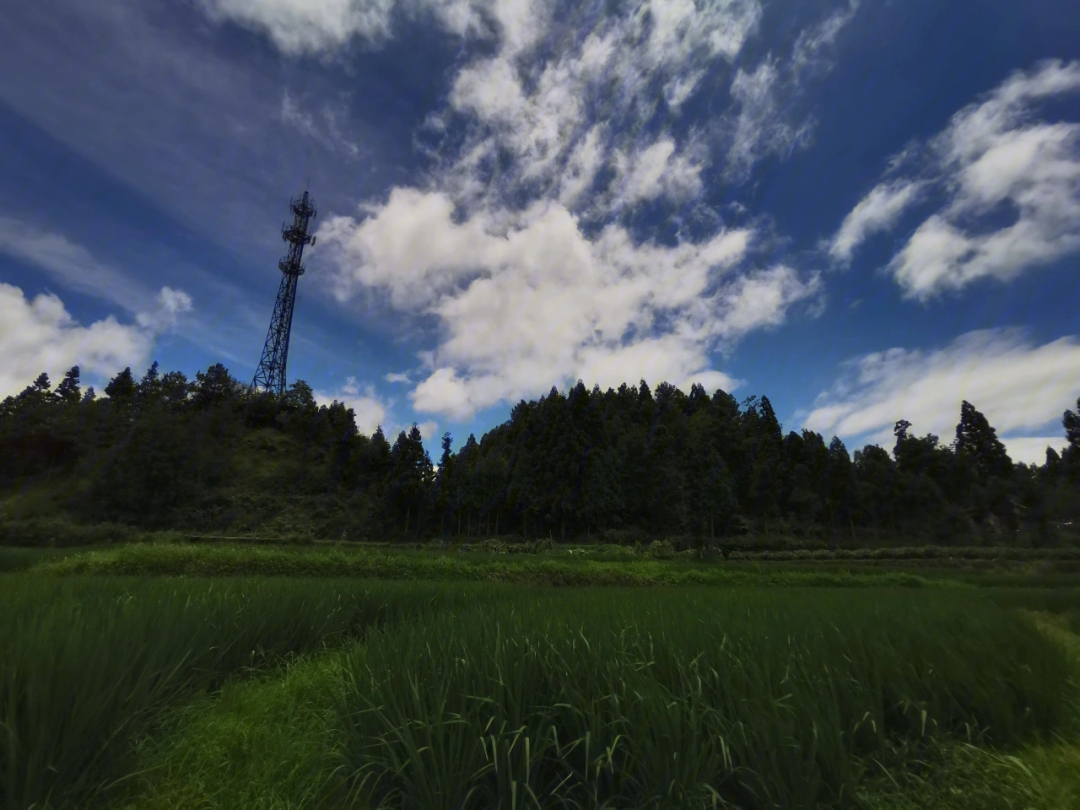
(744, 698)
(85, 664)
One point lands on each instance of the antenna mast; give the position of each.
(270, 375)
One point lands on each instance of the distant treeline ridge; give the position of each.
(210, 454)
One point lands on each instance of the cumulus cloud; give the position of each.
(171, 305)
(40, 335)
(370, 410)
(429, 430)
(516, 244)
(542, 304)
(992, 162)
(1022, 388)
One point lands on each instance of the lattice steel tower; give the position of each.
(270, 375)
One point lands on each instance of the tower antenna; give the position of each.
(270, 376)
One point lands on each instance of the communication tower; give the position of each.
(270, 375)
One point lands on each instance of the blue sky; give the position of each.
(865, 211)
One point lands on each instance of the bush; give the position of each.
(661, 549)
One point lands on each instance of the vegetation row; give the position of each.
(231, 560)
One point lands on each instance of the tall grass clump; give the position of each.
(85, 664)
(680, 699)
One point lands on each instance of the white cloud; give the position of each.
(409, 246)
(515, 246)
(320, 27)
(1032, 449)
(680, 88)
(40, 335)
(991, 160)
(813, 44)
(539, 303)
(761, 299)
(395, 377)
(1020, 387)
(656, 171)
(545, 116)
(429, 430)
(171, 305)
(370, 410)
(877, 211)
(70, 264)
(73, 266)
(760, 128)
(299, 27)
(327, 132)
(764, 96)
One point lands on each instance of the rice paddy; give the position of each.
(293, 691)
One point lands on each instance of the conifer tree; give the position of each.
(1071, 422)
(122, 386)
(68, 389)
(149, 387)
(216, 386)
(444, 480)
(975, 439)
(840, 489)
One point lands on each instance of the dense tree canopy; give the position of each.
(622, 464)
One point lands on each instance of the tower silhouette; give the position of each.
(270, 376)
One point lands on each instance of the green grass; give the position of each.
(663, 698)
(104, 677)
(16, 558)
(266, 742)
(87, 664)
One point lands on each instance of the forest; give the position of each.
(619, 466)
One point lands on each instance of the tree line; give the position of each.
(632, 463)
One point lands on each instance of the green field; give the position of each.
(171, 675)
